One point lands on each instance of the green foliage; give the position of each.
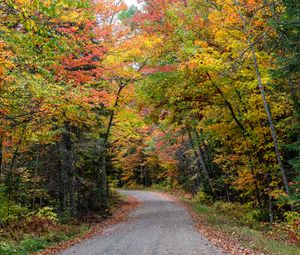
(165, 185)
(245, 214)
(32, 243)
(47, 213)
(293, 225)
(7, 249)
(9, 211)
(129, 13)
(40, 238)
(26, 246)
(202, 197)
(292, 217)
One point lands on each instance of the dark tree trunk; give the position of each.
(34, 176)
(205, 151)
(256, 186)
(67, 171)
(103, 181)
(1, 157)
(227, 193)
(144, 175)
(228, 104)
(102, 184)
(10, 177)
(294, 95)
(199, 172)
(202, 161)
(270, 200)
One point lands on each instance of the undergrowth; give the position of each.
(27, 243)
(34, 232)
(264, 237)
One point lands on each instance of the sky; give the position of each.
(131, 2)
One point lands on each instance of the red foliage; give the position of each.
(154, 14)
(146, 70)
(99, 97)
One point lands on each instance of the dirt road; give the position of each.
(159, 226)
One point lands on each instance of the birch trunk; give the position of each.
(271, 123)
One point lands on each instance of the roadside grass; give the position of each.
(257, 238)
(31, 243)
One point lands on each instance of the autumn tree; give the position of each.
(220, 93)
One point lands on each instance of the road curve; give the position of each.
(159, 226)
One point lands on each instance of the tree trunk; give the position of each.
(229, 106)
(270, 200)
(227, 193)
(103, 183)
(199, 174)
(267, 108)
(255, 184)
(1, 157)
(72, 194)
(201, 160)
(67, 171)
(11, 176)
(271, 124)
(205, 151)
(144, 175)
(34, 176)
(294, 95)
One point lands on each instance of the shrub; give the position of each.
(47, 213)
(32, 244)
(10, 212)
(26, 246)
(292, 225)
(233, 209)
(245, 213)
(44, 219)
(202, 197)
(7, 249)
(164, 185)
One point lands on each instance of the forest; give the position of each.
(201, 96)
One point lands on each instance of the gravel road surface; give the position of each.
(159, 226)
